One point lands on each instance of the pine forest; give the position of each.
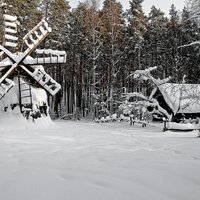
(106, 44)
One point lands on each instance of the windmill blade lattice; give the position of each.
(22, 61)
(10, 38)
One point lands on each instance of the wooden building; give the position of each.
(182, 101)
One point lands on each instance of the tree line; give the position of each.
(105, 45)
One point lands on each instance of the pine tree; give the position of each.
(93, 45)
(113, 25)
(137, 19)
(155, 39)
(189, 48)
(136, 31)
(172, 56)
(194, 8)
(2, 10)
(56, 13)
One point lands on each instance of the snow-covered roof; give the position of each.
(182, 98)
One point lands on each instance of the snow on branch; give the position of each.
(146, 75)
(142, 74)
(135, 94)
(148, 101)
(193, 16)
(162, 81)
(153, 93)
(191, 44)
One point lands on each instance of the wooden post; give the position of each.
(31, 100)
(19, 86)
(165, 120)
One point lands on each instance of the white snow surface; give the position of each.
(89, 161)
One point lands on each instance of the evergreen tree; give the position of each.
(56, 13)
(189, 48)
(113, 25)
(2, 10)
(92, 26)
(194, 8)
(136, 30)
(104, 48)
(173, 66)
(155, 40)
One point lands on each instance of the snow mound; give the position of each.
(16, 121)
(10, 114)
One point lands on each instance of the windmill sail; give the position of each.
(1, 53)
(40, 32)
(35, 36)
(46, 56)
(44, 79)
(23, 60)
(10, 40)
(5, 87)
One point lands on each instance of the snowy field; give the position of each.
(87, 161)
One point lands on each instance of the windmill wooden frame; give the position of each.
(13, 63)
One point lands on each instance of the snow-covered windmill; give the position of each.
(23, 80)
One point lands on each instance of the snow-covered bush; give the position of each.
(139, 109)
(145, 106)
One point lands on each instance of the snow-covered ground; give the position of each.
(87, 161)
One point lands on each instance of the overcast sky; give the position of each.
(164, 5)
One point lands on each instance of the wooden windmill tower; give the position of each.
(23, 72)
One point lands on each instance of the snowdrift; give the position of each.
(15, 121)
(10, 115)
